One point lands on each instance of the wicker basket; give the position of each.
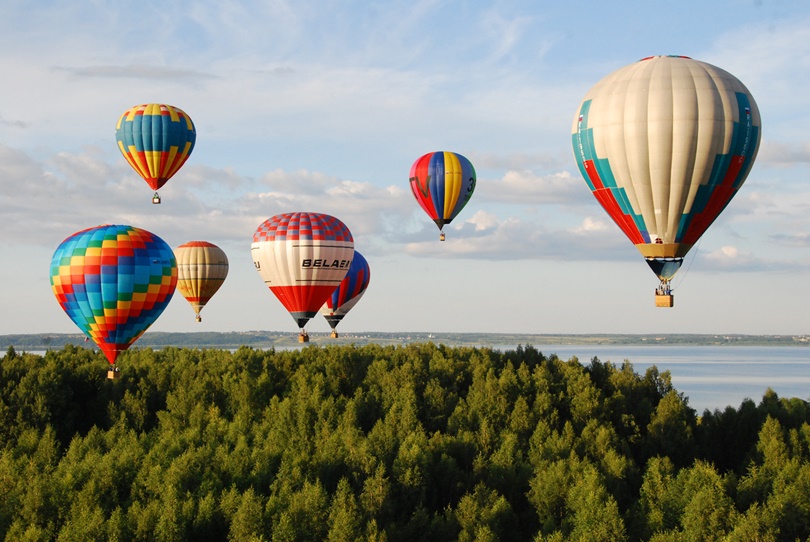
(666, 300)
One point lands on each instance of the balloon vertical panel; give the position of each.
(113, 281)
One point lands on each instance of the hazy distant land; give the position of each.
(269, 339)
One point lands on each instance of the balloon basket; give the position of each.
(303, 338)
(334, 334)
(156, 199)
(114, 373)
(441, 237)
(664, 300)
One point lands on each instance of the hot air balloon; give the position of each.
(346, 296)
(156, 140)
(113, 281)
(442, 183)
(664, 144)
(201, 270)
(302, 257)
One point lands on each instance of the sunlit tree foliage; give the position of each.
(386, 444)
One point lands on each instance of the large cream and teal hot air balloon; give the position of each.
(664, 144)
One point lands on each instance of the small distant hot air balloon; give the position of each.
(113, 281)
(201, 270)
(346, 296)
(664, 144)
(442, 183)
(156, 140)
(302, 257)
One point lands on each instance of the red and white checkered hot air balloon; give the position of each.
(302, 257)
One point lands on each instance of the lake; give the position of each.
(712, 377)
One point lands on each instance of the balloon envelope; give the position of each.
(156, 140)
(113, 281)
(351, 289)
(442, 183)
(302, 257)
(201, 269)
(664, 144)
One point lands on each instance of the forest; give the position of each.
(386, 443)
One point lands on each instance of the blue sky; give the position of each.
(324, 105)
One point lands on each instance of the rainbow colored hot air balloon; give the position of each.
(346, 296)
(113, 282)
(302, 257)
(201, 270)
(156, 140)
(664, 145)
(442, 183)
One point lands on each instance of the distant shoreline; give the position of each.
(270, 339)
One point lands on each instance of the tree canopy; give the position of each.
(386, 443)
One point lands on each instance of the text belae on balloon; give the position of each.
(334, 264)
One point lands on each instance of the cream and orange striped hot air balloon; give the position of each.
(201, 270)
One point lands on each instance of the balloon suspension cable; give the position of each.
(664, 288)
(682, 276)
(156, 198)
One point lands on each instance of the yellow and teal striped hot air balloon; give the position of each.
(156, 140)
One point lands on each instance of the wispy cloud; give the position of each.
(781, 154)
(137, 71)
(529, 188)
(13, 123)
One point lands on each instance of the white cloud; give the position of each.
(528, 188)
(793, 239)
(731, 258)
(779, 154)
(483, 221)
(591, 224)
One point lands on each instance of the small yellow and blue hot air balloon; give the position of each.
(156, 140)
